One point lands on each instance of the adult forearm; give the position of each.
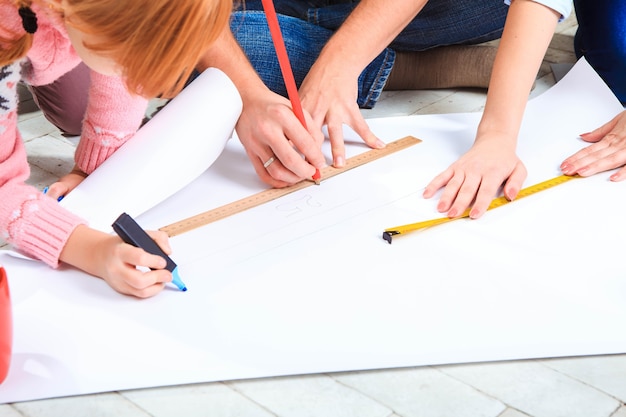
(369, 29)
(226, 55)
(527, 34)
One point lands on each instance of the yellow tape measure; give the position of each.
(497, 202)
(274, 193)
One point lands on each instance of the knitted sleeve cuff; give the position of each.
(96, 146)
(112, 118)
(40, 228)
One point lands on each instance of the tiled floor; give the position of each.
(585, 387)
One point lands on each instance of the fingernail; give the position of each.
(339, 161)
(452, 213)
(380, 144)
(474, 214)
(582, 135)
(566, 168)
(512, 194)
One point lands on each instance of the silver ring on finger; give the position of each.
(268, 162)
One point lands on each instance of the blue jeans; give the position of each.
(306, 26)
(601, 39)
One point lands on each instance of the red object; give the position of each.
(6, 325)
(285, 66)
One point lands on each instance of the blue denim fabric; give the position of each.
(307, 25)
(601, 39)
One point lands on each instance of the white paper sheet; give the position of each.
(177, 145)
(306, 284)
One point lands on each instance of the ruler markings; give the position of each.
(271, 194)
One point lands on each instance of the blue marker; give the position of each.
(133, 234)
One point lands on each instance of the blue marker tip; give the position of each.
(177, 281)
(45, 190)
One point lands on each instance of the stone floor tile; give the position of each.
(210, 400)
(96, 405)
(621, 412)
(402, 103)
(606, 373)
(35, 127)
(51, 154)
(462, 101)
(555, 55)
(562, 42)
(535, 389)
(568, 26)
(26, 116)
(40, 178)
(7, 410)
(509, 412)
(542, 84)
(569, 30)
(310, 396)
(422, 392)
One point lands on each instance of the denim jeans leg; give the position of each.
(600, 39)
(442, 22)
(303, 41)
(453, 22)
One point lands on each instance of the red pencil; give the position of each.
(285, 67)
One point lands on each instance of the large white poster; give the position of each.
(306, 284)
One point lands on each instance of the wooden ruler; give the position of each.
(274, 193)
(497, 202)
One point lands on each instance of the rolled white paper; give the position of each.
(177, 145)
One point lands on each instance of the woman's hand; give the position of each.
(332, 101)
(607, 152)
(268, 128)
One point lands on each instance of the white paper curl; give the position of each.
(177, 145)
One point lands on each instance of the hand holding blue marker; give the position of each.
(133, 234)
(45, 191)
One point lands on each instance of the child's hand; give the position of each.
(66, 183)
(474, 180)
(107, 257)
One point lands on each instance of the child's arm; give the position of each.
(107, 257)
(112, 117)
(492, 160)
(37, 225)
(32, 222)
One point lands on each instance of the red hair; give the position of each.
(156, 43)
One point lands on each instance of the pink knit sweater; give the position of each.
(32, 222)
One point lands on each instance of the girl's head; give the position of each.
(153, 44)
